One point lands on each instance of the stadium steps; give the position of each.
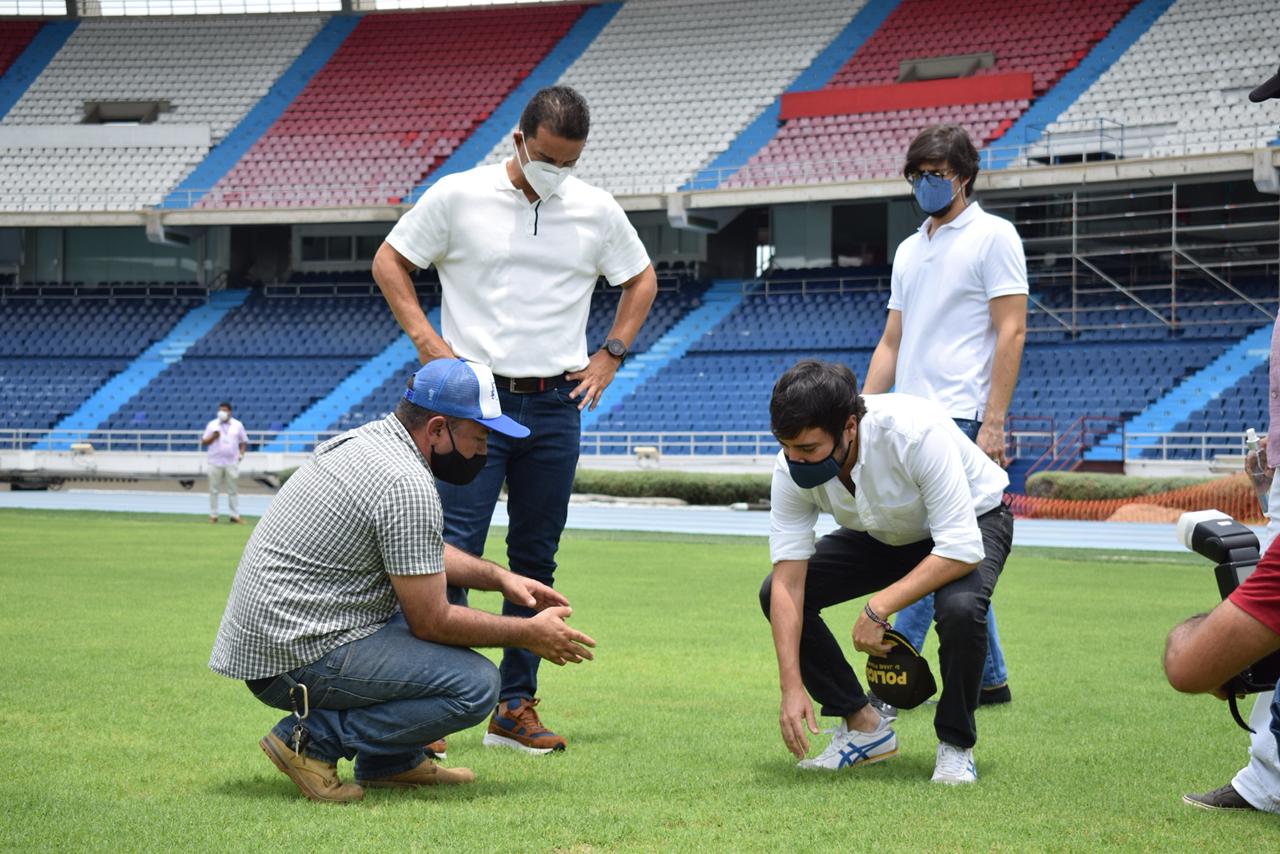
(756, 135)
(506, 116)
(722, 297)
(258, 120)
(326, 411)
(1190, 395)
(116, 391)
(27, 67)
(1029, 127)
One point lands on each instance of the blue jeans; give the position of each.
(538, 471)
(378, 700)
(914, 620)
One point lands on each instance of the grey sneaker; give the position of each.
(1224, 798)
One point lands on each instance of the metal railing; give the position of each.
(1182, 446)
(1055, 449)
(149, 441)
(838, 282)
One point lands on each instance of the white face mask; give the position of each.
(224, 416)
(544, 178)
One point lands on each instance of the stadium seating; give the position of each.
(1181, 87)
(399, 94)
(1045, 39)
(671, 83)
(209, 71)
(55, 353)
(272, 357)
(14, 38)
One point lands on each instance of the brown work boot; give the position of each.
(426, 773)
(318, 780)
(515, 724)
(436, 749)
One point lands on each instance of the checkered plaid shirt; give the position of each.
(314, 574)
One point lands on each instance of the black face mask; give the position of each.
(453, 467)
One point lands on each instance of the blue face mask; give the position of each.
(810, 475)
(933, 194)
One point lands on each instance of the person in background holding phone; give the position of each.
(226, 439)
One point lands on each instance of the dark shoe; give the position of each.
(1225, 798)
(427, 773)
(515, 724)
(316, 779)
(888, 712)
(994, 696)
(436, 749)
(236, 520)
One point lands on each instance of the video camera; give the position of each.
(1235, 552)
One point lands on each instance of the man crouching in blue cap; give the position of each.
(339, 614)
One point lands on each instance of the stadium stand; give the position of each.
(272, 357)
(14, 38)
(396, 98)
(55, 353)
(851, 131)
(672, 82)
(198, 73)
(1182, 86)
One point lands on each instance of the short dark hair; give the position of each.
(949, 144)
(559, 109)
(225, 403)
(813, 393)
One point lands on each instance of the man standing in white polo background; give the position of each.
(227, 441)
(519, 247)
(956, 325)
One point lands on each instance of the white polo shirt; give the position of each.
(942, 285)
(517, 277)
(917, 477)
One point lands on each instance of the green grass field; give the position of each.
(119, 738)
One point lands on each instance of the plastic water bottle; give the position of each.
(1258, 469)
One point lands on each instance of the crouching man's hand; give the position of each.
(519, 590)
(794, 716)
(550, 637)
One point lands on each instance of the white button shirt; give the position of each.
(517, 276)
(916, 477)
(943, 285)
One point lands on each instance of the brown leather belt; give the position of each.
(531, 385)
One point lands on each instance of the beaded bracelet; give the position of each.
(875, 618)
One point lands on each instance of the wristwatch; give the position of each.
(615, 348)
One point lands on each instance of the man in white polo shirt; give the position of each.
(956, 325)
(519, 247)
(920, 511)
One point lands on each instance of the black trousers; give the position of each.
(849, 564)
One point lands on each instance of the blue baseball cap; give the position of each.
(462, 390)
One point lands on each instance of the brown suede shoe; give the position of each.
(316, 779)
(427, 773)
(1223, 798)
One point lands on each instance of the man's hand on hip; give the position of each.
(594, 379)
(991, 441)
(550, 637)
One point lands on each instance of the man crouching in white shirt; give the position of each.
(921, 511)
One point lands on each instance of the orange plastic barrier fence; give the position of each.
(1233, 495)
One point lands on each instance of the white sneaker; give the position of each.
(850, 748)
(954, 765)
